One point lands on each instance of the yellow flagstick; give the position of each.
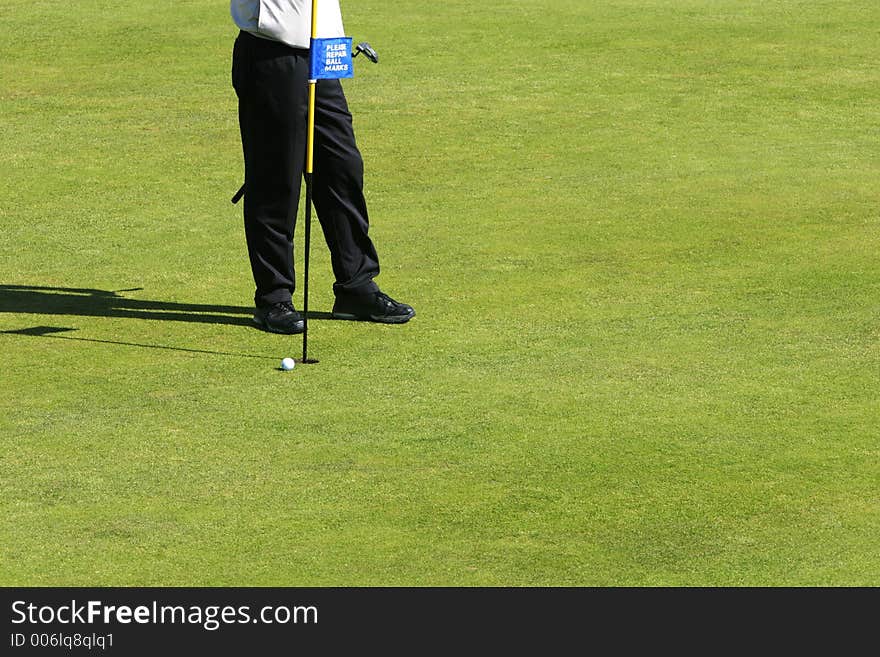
(311, 137)
(310, 148)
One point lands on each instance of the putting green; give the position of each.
(641, 239)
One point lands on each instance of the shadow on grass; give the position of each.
(105, 303)
(52, 332)
(84, 302)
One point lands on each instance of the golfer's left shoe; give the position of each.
(372, 307)
(279, 318)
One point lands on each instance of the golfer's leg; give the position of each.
(270, 80)
(338, 192)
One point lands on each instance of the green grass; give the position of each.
(641, 239)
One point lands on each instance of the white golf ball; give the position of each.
(288, 364)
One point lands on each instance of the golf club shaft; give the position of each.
(238, 195)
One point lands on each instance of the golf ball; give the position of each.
(287, 364)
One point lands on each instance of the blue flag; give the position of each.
(330, 59)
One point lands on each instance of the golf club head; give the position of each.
(367, 49)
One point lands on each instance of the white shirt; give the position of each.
(288, 21)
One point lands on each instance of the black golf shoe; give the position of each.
(372, 307)
(279, 318)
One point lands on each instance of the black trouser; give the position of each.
(271, 82)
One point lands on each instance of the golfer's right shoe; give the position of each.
(279, 318)
(372, 307)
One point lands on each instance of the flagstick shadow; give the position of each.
(52, 331)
